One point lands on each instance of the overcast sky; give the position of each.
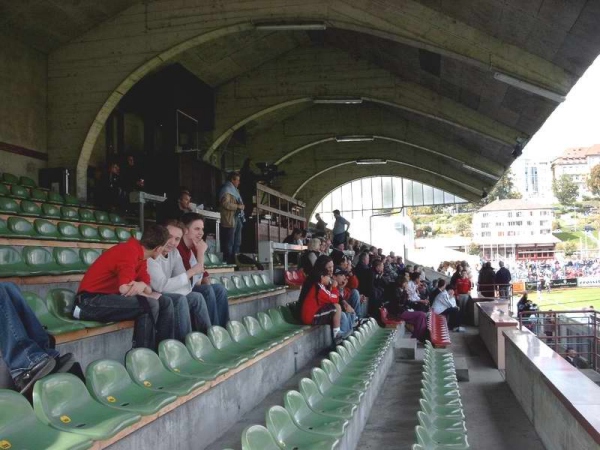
(575, 123)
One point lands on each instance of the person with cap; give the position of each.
(349, 316)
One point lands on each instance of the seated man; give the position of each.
(192, 249)
(167, 275)
(117, 287)
(24, 343)
(445, 304)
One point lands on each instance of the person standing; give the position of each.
(503, 280)
(463, 289)
(486, 280)
(320, 227)
(340, 228)
(232, 217)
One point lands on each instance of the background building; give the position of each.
(514, 229)
(577, 163)
(533, 179)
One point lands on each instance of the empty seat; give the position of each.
(289, 435)
(102, 217)
(9, 178)
(251, 285)
(51, 323)
(4, 190)
(232, 291)
(27, 182)
(309, 420)
(62, 401)
(68, 232)
(69, 213)
(68, 260)
(21, 429)
(176, 357)
(20, 227)
(55, 197)
(71, 200)
(8, 206)
(257, 437)
(115, 219)
(4, 231)
(45, 229)
(50, 211)
(344, 392)
(267, 324)
(89, 256)
(239, 334)
(61, 302)
(38, 195)
(279, 321)
(86, 215)
(146, 370)
(11, 262)
(431, 439)
(28, 208)
(221, 339)
(123, 234)
(325, 405)
(17, 191)
(39, 261)
(254, 329)
(89, 233)
(110, 384)
(201, 348)
(107, 234)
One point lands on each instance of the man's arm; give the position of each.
(228, 202)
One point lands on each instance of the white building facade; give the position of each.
(533, 179)
(577, 163)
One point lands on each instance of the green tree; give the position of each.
(504, 189)
(593, 180)
(565, 190)
(568, 247)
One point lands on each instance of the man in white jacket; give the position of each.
(445, 304)
(168, 275)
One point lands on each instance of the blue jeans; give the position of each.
(358, 307)
(231, 240)
(191, 314)
(215, 296)
(347, 322)
(23, 340)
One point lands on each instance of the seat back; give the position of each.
(258, 281)
(265, 321)
(257, 437)
(295, 403)
(199, 345)
(86, 215)
(330, 369)
(9, 256)
(50, 211)
(252, 326)
(68, 231)
(55, 197)
(38, 195)
(19, 191)
(54, 396)
(249, 282)
(37, 256)
(4, 191)
(266, 280)
(173, 354)
(310, 392)
(123, 234)
(88, 232)
(102, 216)
(89, 255)
(337, 360)
(45, 228)
(237, 331)
(14, 409)
(107, 234)
(8, 206)
(276, 317)
(115, 219)
(105, 378)
(9, 178)
(27, 182)
(214, 280)
(238, 283)
(143, 365)
(424, 438)
(69, 213)
(20, 226)
(36, 304)
(320, 378)
(4, 231)
(60, 302)
(219, 337)
(29, 208)
(71, 200)
(67, 258)
(280, 423)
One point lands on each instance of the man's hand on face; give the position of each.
(201, 247)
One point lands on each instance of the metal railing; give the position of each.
(497, 291)
(560, 330)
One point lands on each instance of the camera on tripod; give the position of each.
(268, 172)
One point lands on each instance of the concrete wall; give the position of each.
(23, 104)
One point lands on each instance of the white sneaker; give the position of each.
(459, 329)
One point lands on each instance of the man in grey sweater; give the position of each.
(169, 276)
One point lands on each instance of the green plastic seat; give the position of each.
(309, 420)
(4, 190)
(257, 437)
(325, 405)
(239, 334)
(440, 400)
(4, 231)
(201, 348)
(27, 182)
(146, 370)
(267, 324)
(176, 357)
(17, 191)
(450, 412)
(289, 435)
(50, 211)
(86, 215)
(55, 197)
(71, 200)
(335, 392)
(267, 282)
(123, 234)
(110, 384)
(68, 260)
(291, 313)
(38, 195)
(68, 232)
(51, 323)
(440, 440)
(11, 262)
(232, 291)
(240, 285)
(107, 234)
(29, 208)
(214, 280)
(10, 178)
(354, 372)
(89, 256)
(449, 390)
(20, 227)
(20, 428)
(61, 302)
(69, 213)
(102, 217)
(9, 206)
(115, 219)
(279, 321)
(251, 285)
(221, 340)
(436, 423)
(350, 363)
(89, 233)
(62, 401)
(39, 261)
(254, 329)
(45, 229)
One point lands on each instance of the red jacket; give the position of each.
(315, 299)
(352, 282)
(463, 286)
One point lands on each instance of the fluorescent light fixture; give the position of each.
(307, 26)
(371, 162)
(525, 86)
(480, 172)
(337, 101)
(356, 138)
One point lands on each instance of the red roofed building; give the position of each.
(577, 163)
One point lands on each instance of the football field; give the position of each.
(564, 299)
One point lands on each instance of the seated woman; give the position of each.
(412, 288)
(310, 255)
(398, 307)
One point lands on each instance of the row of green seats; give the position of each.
(50, 211)
(38, 195)
(245, 285)
(212, 260)
(68, 414)
(10, 178)
(317, 415)
(20, 227)
(441, 418)
(34, 261)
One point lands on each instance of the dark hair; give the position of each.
(154, 236)
(314, 277)
(296, 231)
(414, 276)
(190, 217)
(336, 211)
(376, 262)
(173, 223)
(232, 175)
(441, 282)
